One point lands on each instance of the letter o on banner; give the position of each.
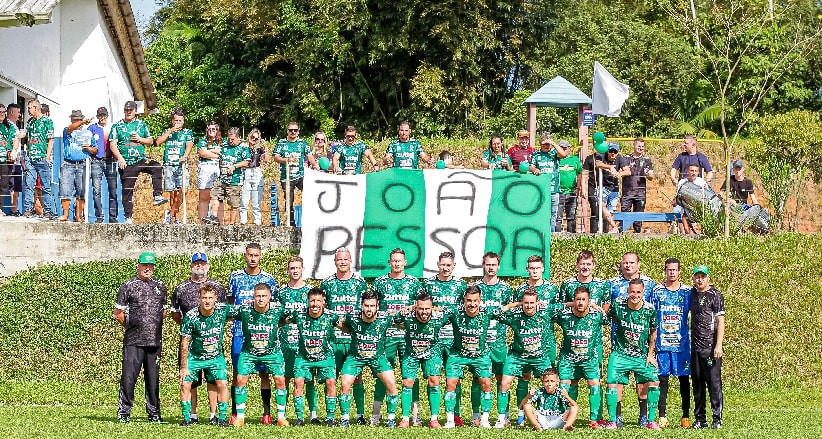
(398, 194)
(507, 197)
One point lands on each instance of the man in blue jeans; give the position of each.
(78, 146)
(38, 160)
(103, 163)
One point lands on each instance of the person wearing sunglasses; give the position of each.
(208, 149)
(546, 162)
(291, 152)
(348, 156)
(253, 186)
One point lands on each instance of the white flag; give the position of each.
(608, 94)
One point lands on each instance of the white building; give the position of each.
(72, 54)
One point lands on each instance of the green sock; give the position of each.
(407, 393)
(450, 401)
(379, 391)
(240, 397)
(391, 406)
(653, 402)
(185, 406)
(612, 398)
(476, 394)
(311, 396)
(487, 399)
(330, 406)
(345, 404)
(222, 410)
(595, 400)
(502, 402)
(359, 398)
(573, 392)
(458, 398)
(280, 398)
(522, 390)
(434, 399)
(299, 409)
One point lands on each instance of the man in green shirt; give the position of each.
(405, 152)
(570, 177)
(178, 143)
(128, 140)
(38, 160)
(234, 156)
(600, 290)
(546, 161)
(291, 152)
(368, 335)
(348, 156)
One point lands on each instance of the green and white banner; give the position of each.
(425, 212)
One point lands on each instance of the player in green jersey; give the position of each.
(261, 347)
(396, 290)
(201, 349)
(580, 354)
(599, 289)
(343, 290)
(348, 156)
(634, 350)
(422, 328)
(495, 294)
(368, 340)
(316, 328)
(533, 349)
(550, 408)
(405, 152)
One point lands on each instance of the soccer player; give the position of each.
(294, 298)
(241, 285)
(261, 348)
(405, 152)
(495, 294)
(580, 354)
(368, 338)
(396, 290)
(634, 327)
(201, 349)
(707, 336)
(534, 348)
(672, 300)
(316, 330)
(343, 290)
(550, 408)
(599, 289)
(446, 291)
(422, 351)
(185, 298)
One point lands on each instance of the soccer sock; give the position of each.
(406, 401)
(618, 406)
(345, 405)
(643, 406)
(611, 398)
(379, 391)
(573, 392)
(663, 395)
(233, 400)
(415, 399)
(653, 401)
(685, 393)
(375, 410)
(476, 394)
(265, 396)
(450, 403)
(194, 417)
(502, 402)
(222, 410)
(458, 402)
(311, 397)
(359, 398)
(595, 401)
(434, 400)
(240, 397)
(487, 399)
(330, 406)
(185, 407)
(281, 397)
(522, 393)
(299, 403)
(391, 405)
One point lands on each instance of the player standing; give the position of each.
(707, 336)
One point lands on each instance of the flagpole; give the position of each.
(599, 200)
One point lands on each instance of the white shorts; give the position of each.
(550, 422)
(207, 173)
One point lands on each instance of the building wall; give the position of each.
(31, 55)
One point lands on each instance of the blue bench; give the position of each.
(629, 218)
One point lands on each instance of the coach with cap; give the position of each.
(707, 310)
(741, 186)
(78, 145)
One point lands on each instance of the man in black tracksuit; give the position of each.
(707, 335)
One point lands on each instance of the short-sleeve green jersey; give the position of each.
(297, 149)
(599, 290)
(471, 333)
(548, 164)
(211, 146)
(229, 156)
(547, 292)
(549, 404)
(206, 332)
(533, 335)
(351, 157)
(175, 146)
(132, 152)
(7, 136)
(293, 300)
(260, 328)
(495, 297)
(367, 338)
(447, 295)
(420, 337)
(497, 160)
(39, 131)
(315, 335)
(395, 294)
(581, 336)
(632, 328)
(569, 168)
(406, 154)
(343, 297)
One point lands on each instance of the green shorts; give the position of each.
(273, 363)
(215, 369)
(499, 352)
(588, 369)
(516, 366)
(354, 366)
(340, 353)
(323, 369)
(620, 366)
(430, 367)
(480, 367)
(394, 348)
(289, 356)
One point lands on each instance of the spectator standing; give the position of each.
(103, 164)
(321, 148)
(590, 191)
(741, 186)
(208, 150)
(494, 157)
(178, 143)
(78, 146)
(570, 179)
(13, 115)
(234, 157)
(291, 152)
(546, 161)
(521, 152)
(9, 149)
(635, 169)
(690, 156)
(405, 151)
(253, 183)
(347, 158)
(38, 159)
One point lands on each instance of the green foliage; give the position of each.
(514, 116)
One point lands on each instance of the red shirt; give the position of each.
(518, 154)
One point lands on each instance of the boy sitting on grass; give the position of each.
(550, 408)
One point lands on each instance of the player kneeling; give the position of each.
(550, 408)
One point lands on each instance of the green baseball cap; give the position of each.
(701, 269)
(147, 258)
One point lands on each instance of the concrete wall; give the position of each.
(30, 243)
